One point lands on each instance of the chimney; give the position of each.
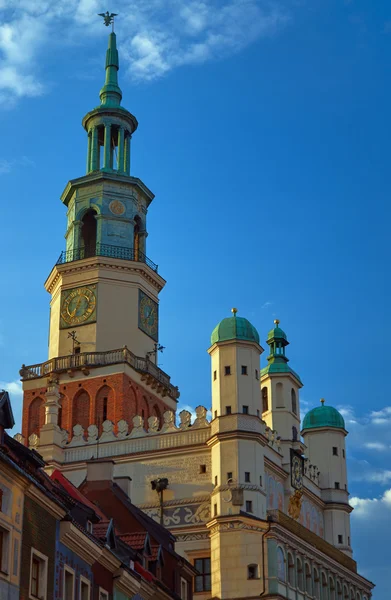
(125, 483)
(100, 469)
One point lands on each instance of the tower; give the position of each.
(237, 451)
(324, 435)
(103, 338)
(280, 387)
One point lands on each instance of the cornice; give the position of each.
(77, 541)
(127, 583)
(43, 500)
(108, 560)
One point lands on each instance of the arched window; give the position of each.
(81, 409)
(294, 434)
(265, 400)
(144, 409)
(36, 416)
(280, 395)
(156, 413)
(316, 584)
(345, 592)
(281, 564)
(339, 590)
(63, 413)
(136, 237)
(308, 579)
(252, 572)
(104, 406)
(358, 596)
(88, 233)
(294, 401)
(324, 587)
(331, 588)
(291, 570)
(300, 578)
(129, 407)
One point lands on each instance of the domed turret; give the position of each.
(234, 328)
(323, 416)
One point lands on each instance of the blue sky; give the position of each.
(264, 133)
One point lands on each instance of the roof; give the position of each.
(323, 416)
(58, 477)
(234, 328)
(6, 415)
(276, 334)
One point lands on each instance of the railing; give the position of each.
(106, 250)
(98, 359)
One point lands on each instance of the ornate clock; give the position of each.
(148, 315)
(78, 306)
(297, 470)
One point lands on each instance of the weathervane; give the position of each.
(108, 19)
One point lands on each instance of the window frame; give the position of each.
(245, 409)
(335, 450)
(103, 594)
(87, 582)
(227, 370)
(228, 410)
(256, 571)
(244, 370)
(184, 582)
(249, 506)
(214, 375)
(42, 576)
(5, 541)
(247, 477)
(68, 569)
(203, 574)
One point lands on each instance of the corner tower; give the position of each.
(103, 337)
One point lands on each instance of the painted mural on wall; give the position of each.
(312, 518)
(174, 516)
(275, 493)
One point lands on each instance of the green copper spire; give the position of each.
(110, 94)
(277, 359)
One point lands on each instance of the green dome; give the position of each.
(323, 416)
(234, 328)
(276, 333)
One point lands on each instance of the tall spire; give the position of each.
(110, 94)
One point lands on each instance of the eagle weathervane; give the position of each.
(108, 18)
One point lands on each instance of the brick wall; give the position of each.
(39, 532)
(82, 402)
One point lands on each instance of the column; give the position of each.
(94, 150)
(107, 147)
(89, 152)
(120, 158)
(127, 155)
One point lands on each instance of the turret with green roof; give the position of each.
(323, 416)
(277, 360)
(234, 328)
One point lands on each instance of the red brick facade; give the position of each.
(91, 400)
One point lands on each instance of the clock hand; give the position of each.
(73, 313)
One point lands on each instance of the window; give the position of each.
(69, 583)
(4, 535)
(245, 410)
(316, 584)
(335, 451)
(340, 539)
(252, 572)
(85, 587)
(256, 374)
(215, 510)
(1, 499)
(184, 588)
(214, 375)
(77, 349)
(260, 480)
(103, 595)
(228, 410)
(265, 400)
(332, 588)
(216, 480)
(244, 370)
(89, 527)
(227, 370)
(38, 575)
(202, 582)
(281, 564)
(16, 558)
(249, 506)
(215, 414)
(294, 401)
(348, 540)
(336, 485)
(291, 570)
(300, 582)
(343, 453)
(294, 434)
(202, 468)
(308, 579)
(247, 478)
(104, 413)
(229, 475)
(257, 412)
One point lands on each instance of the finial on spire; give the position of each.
(234, 311)
(108, 19)
(322, 401)
(276, 322)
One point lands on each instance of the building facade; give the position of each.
(259, 507)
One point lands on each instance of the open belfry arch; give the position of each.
(260, 507)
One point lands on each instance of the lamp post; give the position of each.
(160, 485)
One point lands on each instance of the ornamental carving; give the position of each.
(294, 507)
(116, 207)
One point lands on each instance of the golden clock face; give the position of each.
(148, 316)
(78, 306)
(297, 472)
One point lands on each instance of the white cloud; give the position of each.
(6, 166)
(377, 446)
(154, 37)
(14, 388)
(365, 507)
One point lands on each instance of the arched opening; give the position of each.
(339, 591)
(81, 409)
(88, 233)
(104, 404)
(331, 588)
(291, 570)
(345, 592)
(36, 416)
(300, 578)
(294, 401)
(144, 409)
(281, 564)
(252, 572)
(316, 585)
(136, 237)
(308, 580)
(324, 587)
(265, 399)
(279, 395)
(129, 407)
(156, 413)
(294, 434)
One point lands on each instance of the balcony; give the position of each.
(108, 251)
(150, 373)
